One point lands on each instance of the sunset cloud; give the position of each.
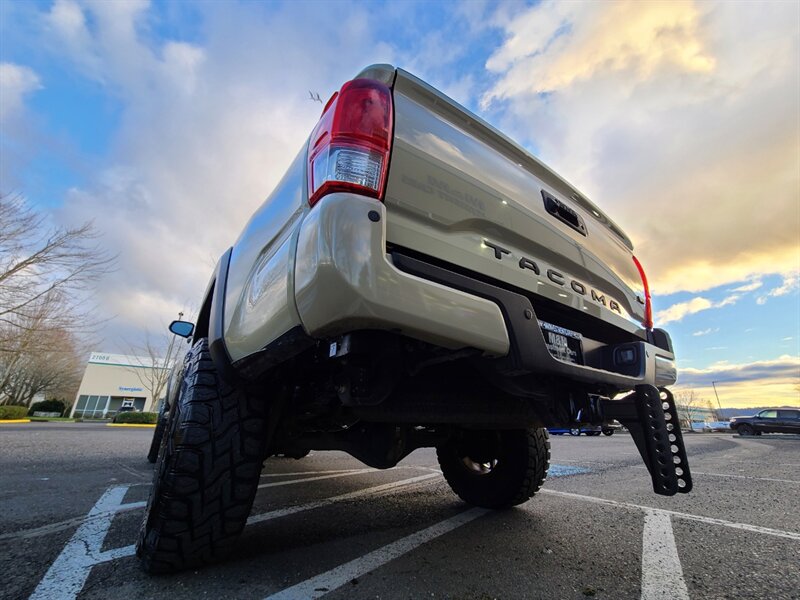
(761, 383)
(679, 118)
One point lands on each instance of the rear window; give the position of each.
(789, 414)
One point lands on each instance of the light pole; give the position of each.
(713, 384)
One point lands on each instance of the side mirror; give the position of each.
(185, 329)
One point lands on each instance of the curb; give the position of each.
(130, 424)
(9, 421)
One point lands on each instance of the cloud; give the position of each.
(678, 118)
(208, 126)
(539, 56)
(762, 383)
(790, 283)
(705, 331)
(783, 367)
(748, 287)
(678, 311)
(16, 81)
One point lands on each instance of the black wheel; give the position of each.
(593, 433)
(745, 429)
(496, 469)
(158, 433)
(574, 431)
(608, 432)
(207, 473)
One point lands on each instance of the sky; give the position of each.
(168, 123)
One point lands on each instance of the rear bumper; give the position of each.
(653, 365)
(345, 281)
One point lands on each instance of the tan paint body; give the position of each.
(455, 184)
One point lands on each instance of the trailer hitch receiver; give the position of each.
(650, 416)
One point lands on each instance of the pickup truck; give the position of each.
(771, 420)
(416, 279)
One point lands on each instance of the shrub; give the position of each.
(47, 406)
(136, 417)
(13, 412)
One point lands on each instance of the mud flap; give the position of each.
(649, 415)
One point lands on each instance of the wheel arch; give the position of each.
(211, 318)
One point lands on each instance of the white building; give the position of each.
(112, 381)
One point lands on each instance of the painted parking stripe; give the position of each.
(730, 475)
(555, 471)
(68, 573)
(339, 576)
(378, 489)
(317, 478)
(791, 535)
(285, 512)
(662, 574)
(69, 523)
(296, 473)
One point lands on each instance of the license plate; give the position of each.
(563, 344)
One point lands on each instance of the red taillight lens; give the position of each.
(349, 147)
(648, 304)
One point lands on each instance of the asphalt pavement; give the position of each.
(72, 498)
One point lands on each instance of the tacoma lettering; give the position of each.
(556, 277)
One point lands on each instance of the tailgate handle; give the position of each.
(563, 213)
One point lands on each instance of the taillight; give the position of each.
(648, 304)
(349, 147)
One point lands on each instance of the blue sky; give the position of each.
(680, 119)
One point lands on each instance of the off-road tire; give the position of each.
(158, 434)
(522, 460)
(207, 474)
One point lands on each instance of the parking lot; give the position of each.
(72, 497)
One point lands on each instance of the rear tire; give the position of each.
(574, 431)
(207, 474)
(158, 434)
(608, 432)
(496, 469)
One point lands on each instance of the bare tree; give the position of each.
(154, 359)
(690, 404)
(44, 275)
(44, 266)
(53, 370)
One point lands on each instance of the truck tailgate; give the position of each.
(461, 192)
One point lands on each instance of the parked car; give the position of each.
(416, 279)
(590, 430)
(124, 409)
(771, 420)
(719, 425)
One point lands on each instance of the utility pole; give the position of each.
(713, 384)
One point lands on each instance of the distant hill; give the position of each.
(727, 413)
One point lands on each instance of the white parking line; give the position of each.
(68, 523)
(308, 473)
(378, 489)
(791, 535)
(662, 574)
(317, 478)
(339, 576)
(68, 573)
(706, 473)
